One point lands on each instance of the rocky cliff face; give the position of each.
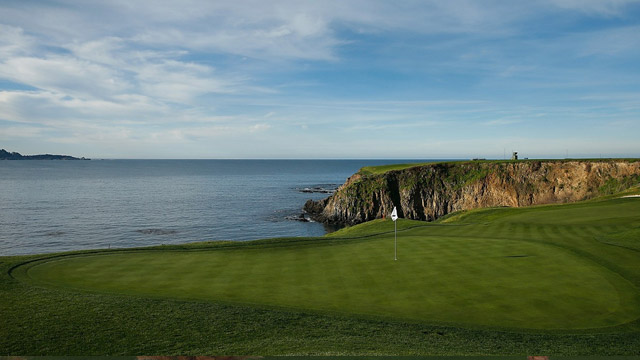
(431, 191)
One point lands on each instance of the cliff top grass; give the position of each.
(559, 280)
(381, 169)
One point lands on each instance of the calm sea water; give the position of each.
(48, 206)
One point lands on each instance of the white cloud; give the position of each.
(259, 127)
(109, 70)
(95, 135)
(64, 74)
(153, 71)
(10, 132)
(224, 132)
(179, 81)
(13, 42)
(498, 122)
(45, 107)
(275, 30)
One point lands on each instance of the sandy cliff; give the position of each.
(431, 191)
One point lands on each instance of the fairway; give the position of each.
(545, 267)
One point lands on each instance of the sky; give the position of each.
(320, 79)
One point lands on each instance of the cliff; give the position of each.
(427, 192)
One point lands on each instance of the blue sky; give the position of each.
(320, 79)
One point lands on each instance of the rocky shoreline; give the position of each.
(430, 191)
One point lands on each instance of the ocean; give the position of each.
(50, 206)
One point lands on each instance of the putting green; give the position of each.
(503, 274)
(535, 268)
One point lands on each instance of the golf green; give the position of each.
(534, 268)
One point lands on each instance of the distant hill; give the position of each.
(5, 155)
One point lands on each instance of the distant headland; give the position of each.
(5, 155)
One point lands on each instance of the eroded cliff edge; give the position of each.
(430, 191)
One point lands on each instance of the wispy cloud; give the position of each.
(248, 73)
(14, 42)
(10, 132)
(65, 75)
(499, 122)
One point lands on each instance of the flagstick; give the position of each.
(395, 241)
(394, 217)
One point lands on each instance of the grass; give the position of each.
(381, 169)
(560, 279)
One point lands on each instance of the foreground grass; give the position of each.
(479, 282)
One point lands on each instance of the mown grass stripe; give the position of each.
(537, 268)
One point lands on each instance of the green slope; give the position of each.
(480, 275)
(521, 270)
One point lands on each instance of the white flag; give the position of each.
(394, 214)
